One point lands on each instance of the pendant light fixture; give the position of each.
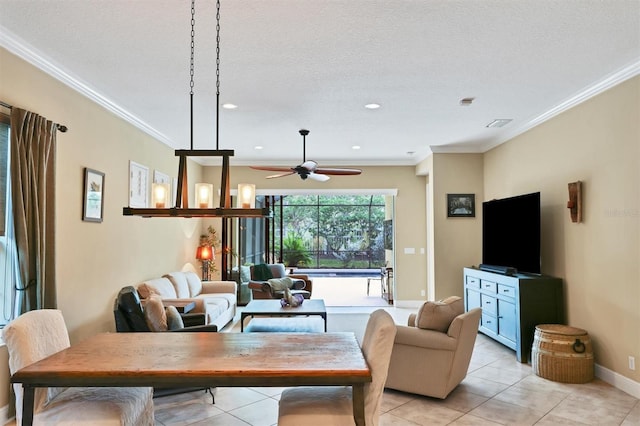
(202, 209)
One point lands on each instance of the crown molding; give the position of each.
(23, 50)
(587, 93)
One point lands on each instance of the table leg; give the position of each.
(358, 403)
(324, 317)
(27, 405)
(242, 317)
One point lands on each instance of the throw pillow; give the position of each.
(439, 315)
(262, 272)
(174, 320)
(155, 315)
(245, 274)
(279, 284)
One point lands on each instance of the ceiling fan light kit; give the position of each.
(308, 169)
(204, 205)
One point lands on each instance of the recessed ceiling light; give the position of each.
(466, 101)
(355, 147)
(229, 106)
(372, 106)
(258, 147)
(500, 122)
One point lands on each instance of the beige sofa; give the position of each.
(215, 299)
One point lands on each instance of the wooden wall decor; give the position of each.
(575, 201)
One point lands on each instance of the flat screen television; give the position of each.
(511, 233)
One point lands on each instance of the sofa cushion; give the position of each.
(160, 286)
(438, 315)
(154, 314)
(195, 285)
(174, 320)
(179, 281)
(214, 307)
(245, 274)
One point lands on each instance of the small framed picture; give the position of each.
(138, 185)
(461, 205)
(93, 198)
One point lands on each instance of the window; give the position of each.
(7, 258)
(331, 231)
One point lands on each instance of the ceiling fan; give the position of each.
(308, 169)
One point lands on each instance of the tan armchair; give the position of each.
(262, 289)
(431, 354)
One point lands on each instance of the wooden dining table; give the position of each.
(202, 359)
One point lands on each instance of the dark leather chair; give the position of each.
(129, 315)
(129, 318)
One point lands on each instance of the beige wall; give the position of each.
(454, 242)
(598, 143)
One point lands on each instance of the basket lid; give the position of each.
(564, 330)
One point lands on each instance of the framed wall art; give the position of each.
(138, 185)
(93, 196)
(461, 205)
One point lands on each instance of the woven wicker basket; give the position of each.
(562, 354)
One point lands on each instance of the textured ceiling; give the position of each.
(292, 64)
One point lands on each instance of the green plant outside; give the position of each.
(294, 251)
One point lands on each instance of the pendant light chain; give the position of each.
(217, 71)
(191, 66)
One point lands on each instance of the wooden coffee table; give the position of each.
(273, 308)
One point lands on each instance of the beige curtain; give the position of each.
(33, 149)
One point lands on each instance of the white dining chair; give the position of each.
(332, 405)
(37, 334)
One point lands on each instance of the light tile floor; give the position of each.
(497, 390)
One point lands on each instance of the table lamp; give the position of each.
(204, 253)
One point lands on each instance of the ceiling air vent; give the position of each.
(500, 122)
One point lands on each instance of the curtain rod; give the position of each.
(60, 127)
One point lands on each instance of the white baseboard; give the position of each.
(618, 381)
(4, 415)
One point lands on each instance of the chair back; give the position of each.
(31, 337)
(276, 270)
(127, 311)
(377, 345)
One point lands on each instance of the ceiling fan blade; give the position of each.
(280, 175)
(272, 169)
(318, 177)
(338, 171)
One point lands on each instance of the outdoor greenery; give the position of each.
(294, 251)
(338, 231)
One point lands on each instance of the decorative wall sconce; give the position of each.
(205, 254)
(246, 196)
(160, 195)
(204, 196)
(575, 201)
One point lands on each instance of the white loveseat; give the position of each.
(215, 299)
